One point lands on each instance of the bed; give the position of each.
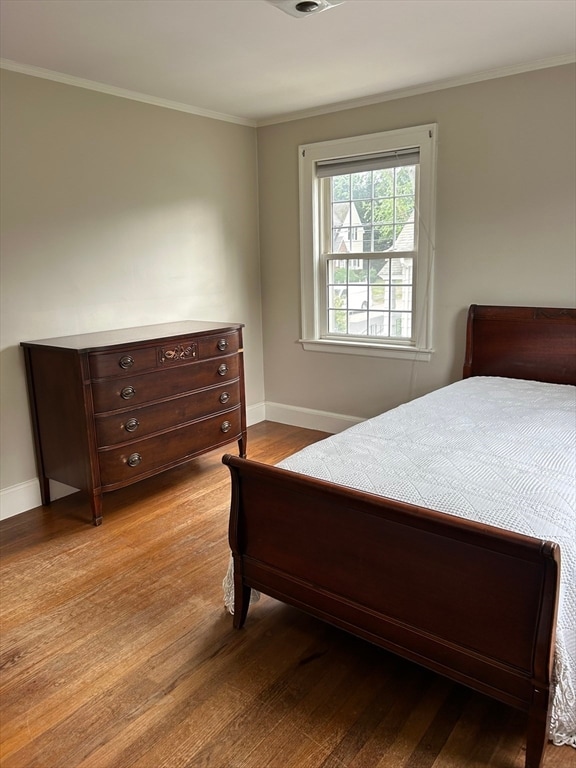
(450, 549)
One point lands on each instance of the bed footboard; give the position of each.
(471, 602)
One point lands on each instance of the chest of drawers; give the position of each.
(112, 408)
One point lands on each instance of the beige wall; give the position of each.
(117, 213)
(504, 232)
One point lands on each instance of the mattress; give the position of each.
(494, 450)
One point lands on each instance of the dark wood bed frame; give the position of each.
(469, 601)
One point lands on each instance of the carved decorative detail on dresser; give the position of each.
(179, 352)
(112, 408)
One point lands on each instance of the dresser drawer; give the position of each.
(162, 355)
(129, 462)
(136, 423)
(213, 346)
(113, 394)
(129, 361)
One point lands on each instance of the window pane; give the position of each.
(383, 238)
(341, 188)
(341, 240)
(378, 323)
(377, 296)
(357, 296)
(336, 271)
(375, 265)
(404, 210)
(404, 237)
(340, 214)
(363, 210)
(401, 298)
(387, 297)
(401, 325)
(337, 321)
(358, 323)
(401, 271)
(384, 210)
(406, 180)
(384, 273)
(361, 185)
(358, 274)
(336, 297)
(384, 183)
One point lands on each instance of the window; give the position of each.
(367, 227)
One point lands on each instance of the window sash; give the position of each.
(370, 312)
(325, 209)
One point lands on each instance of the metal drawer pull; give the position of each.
(127, 393)
(223, 369)
(126, 362)
(131, 425)
(134, 459)
(222, 344)
(224, 397)
(226, 426)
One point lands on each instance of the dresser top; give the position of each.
(86, 342)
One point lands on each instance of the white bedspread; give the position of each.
(499, 451)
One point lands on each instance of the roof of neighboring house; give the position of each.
(345, 215)
(405, 240)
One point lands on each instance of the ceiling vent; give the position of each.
(302, 8)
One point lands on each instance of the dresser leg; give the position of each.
(242, 447)
(96, 505)
(45, 491)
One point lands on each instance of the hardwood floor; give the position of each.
(116, 651)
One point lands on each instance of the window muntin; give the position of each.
(367, 221)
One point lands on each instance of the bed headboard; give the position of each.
(536, 343)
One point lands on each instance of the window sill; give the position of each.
(367, 349)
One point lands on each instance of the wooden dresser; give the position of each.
(112, 408)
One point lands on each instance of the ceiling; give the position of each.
(247, 61)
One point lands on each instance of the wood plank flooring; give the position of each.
(116, 651)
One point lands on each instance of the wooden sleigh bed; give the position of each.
(471, 601)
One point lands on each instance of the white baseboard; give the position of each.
(24, 496)
(308, 418)
(255, 413)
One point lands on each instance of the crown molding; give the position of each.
(403, 93)
(92, 85)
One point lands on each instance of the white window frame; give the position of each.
(313, 281)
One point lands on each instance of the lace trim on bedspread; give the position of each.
(562, 727)
(228, 587)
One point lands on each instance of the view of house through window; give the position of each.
(372, 215)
